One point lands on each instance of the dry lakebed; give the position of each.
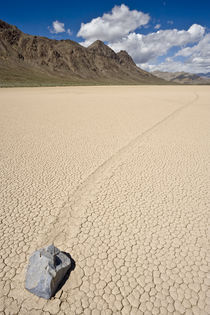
(116, 176)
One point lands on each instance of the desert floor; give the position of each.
(117, 177)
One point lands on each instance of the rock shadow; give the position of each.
(67, 275)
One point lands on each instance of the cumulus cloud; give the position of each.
(57, 27)
(202, 49)
(195, 59)
(119, 29)
(147, 47)
(112, 26)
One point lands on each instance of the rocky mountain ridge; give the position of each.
(27, 59)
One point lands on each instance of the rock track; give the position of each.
(136, 226)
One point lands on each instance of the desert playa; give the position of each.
(117, 177)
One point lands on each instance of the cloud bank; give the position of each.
(144, 48)
(195, 59)
(120, 29)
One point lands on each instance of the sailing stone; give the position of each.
(46, 269)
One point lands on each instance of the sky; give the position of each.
(166, 35)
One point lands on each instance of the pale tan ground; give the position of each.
(116, 176)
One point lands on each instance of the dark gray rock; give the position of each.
(46, 269)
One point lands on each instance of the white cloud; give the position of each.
(196, 59)
(57, 27)
(157, 26)
(196, 31)
(118, 29)
(148, 47)
(69, 31)
(177, 66)
(202, 49)
(112, 26)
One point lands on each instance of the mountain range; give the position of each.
(204, 75)
(34, 60)
(183, 77)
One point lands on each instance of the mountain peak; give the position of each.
(97, 43)
(101, 49)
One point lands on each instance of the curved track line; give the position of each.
(83, 193)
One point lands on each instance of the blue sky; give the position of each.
(159, 34)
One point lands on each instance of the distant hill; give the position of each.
(204, 75)
(182, 77)
(34, 60)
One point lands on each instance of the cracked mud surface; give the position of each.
(117, 177)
